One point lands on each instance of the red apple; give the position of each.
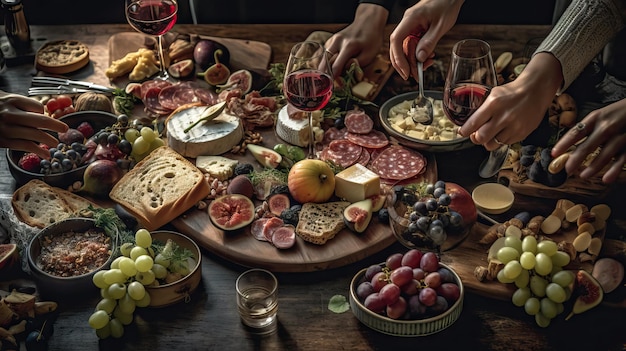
(311, 181)
(462, 202)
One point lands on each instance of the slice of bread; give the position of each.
(160, 188)
(75, 201)
(38, 204)
(319, 223)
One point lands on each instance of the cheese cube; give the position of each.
(218, 167)
(356, 183)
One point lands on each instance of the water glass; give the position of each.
(257, 300)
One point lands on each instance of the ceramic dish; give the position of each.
(493, 198)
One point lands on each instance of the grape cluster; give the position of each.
(430, 215)
(409, 286)
(536, 269)
(63, 158)
(536, 161)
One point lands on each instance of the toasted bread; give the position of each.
(160, 188)
(319, 223)
(39, 204)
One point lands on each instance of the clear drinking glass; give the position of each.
(257, 300)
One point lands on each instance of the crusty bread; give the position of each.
(160, 188)
(75, 201)
(319, 223)
(62, 56)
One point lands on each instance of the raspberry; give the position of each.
(44, 146)
(30, 162)
(86, 129)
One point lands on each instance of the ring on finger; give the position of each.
(578, 128)
(498, 141)
(329, 52)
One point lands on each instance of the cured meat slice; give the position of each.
(153, 84)
(358, 122)
(166, 97)
(365, 157)
(398, 163)
(373, 140)
(270, 226)
(152, 104)
(284, 237)
(333, 133)
(207, 96)
(343, 152)
(185, 95)
(257, 228)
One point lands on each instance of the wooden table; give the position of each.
(210, 321)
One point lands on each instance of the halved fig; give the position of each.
(357, 216)
(378, 201)
(241, 79)
(588, 293)
(231, 212)
(265, 156)
(181, 69)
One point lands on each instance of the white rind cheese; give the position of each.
(356, 183)
(213, 137)
(293, 131)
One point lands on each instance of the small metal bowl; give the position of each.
(98, 119)
(400, 327)
(416, 143)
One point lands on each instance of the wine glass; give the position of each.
(470, 78)
(153, 17)
(308, 83)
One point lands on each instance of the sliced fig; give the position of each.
(588, 292)
(609, 272)
(284, 237)
(357, 216)
(265, 156)
(278, 203)
(181, 69)
(378, 201)
(231, 212)
(257, 228)
(204, 53)
(241, 79)
(270, 226)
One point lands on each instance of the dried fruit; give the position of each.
(588, 292)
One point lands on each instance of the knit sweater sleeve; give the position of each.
(388, 4)
(581, 33)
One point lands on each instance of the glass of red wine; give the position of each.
(470, 78)
(153, 17)
(308, 83)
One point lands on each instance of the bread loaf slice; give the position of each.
(319, 223)
(75, 202)
(38, 204)
(160, 188)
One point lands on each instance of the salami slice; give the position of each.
(365, 157)
(153, 84)
(270, 226)
(152, 104)
(333, 133)
(358, 122)
(257, 228)
(284, 237)
(206, 96)
(373, 140)
(398, 163)
(166, 97)
(343, 152)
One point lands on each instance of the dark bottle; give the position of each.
(16, 26)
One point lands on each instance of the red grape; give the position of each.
(416, 308)
(440, 306)
(389, 293)
(450, 291)
(375, 303)
(379, 280)
(364, 290)
(433, 280)
(401, 275)
(394, 261)
(412, 258)
(410, 288)
(372, 270)
(428, 296)
(429, 262)
(446, 275)
(397, 309)
(418, 274)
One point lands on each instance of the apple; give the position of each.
(462, 202)
(311, 181)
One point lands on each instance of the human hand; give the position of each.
(427, 20)
(362, 39)
(604, 128)
(22, 124)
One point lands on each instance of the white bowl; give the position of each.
(493, 198)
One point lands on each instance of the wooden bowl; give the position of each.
(493, 198)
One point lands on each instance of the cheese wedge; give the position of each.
(218, 167)
(356, 183)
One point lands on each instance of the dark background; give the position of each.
(279, 11)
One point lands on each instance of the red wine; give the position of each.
(153, 17)
(460, 102)
(308, 90)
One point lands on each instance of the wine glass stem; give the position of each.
(312, 137)
(161, 57)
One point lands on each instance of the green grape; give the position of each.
(145, 278)
(542, 320)
(556, 293)
(548, 308)
(523, 279)
(543, 265)
(538, 285)
(529, 244)
(117, 291)
(98, 319)
(143, 238)
(137, 251)
(105, 332)
(527, 260)
(502, 278)
(116, 262)
(107, 305)
(156, 143)
(514, 242)
(126, 304)
(136, 290)
(520, 296)
(548, 247)
(140, 146)
(560, 259)
(127, 266)
(159, 271)
(145, 301)
(512, 269)
(117, 328)
(125, 249)
(148, 134)
(98, 279)
(143, 263)
(112, 276)
(104, 293)
(560, 307)
(162, 260)
(555, 269)
(532, 306)
(506, 254)
(131, 134)
(125, 318)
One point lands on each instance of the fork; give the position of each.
(61, 89)
(53, 81)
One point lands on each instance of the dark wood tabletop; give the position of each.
(209, 321)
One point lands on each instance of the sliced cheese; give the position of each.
(356, 183)
(213, 137)
(218, 167)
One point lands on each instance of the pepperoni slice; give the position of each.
(343, 152)
(284, 237)
(358, 122)
(270, 226)
(257, 228)
(374, 139)
(398, 163)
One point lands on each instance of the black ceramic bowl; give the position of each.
(413, 140)
(98, 119)
(55, 284)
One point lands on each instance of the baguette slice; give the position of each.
(160, 188)
(319, 223)
(38, 204)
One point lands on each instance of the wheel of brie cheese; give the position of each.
(208, 138)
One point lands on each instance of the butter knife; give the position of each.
(52, 81)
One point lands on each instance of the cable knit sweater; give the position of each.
(581, 33)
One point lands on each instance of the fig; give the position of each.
(204, 53)
(181, 69)
(241, 184)
(278, 203)
(357, 216)
(378, 201)
(71, 136)
(609, 272)
(241, 80)
(588, 292)
(265, 156)
(231, 212)
(100, 176)
(217, 73)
